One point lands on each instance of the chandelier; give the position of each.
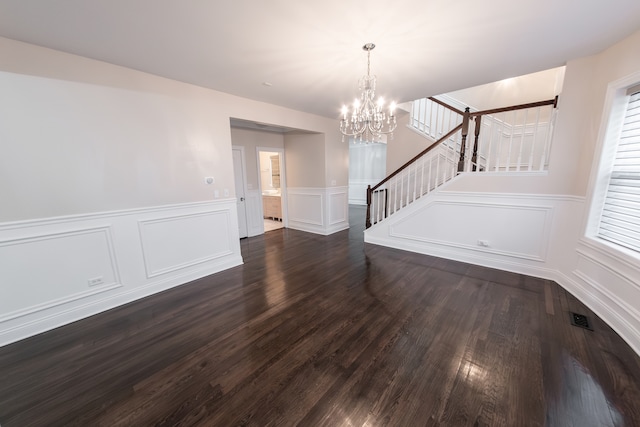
(368, 121)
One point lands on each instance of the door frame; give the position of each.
(243, 161)
(283, 180)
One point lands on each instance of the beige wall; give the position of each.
(337, 158)
(533, 87)
(251, 139)
(81, 136)
(580, 108)
(589, 78)
(305, 162)
(528, 88)
(404, 145)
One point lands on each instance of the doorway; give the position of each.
(239, 172)
(272, 187)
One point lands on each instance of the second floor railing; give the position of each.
(509, 139)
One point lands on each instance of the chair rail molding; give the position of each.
(54, 271)
(318, 210)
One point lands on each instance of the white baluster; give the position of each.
(524, 130)
(422, 175)
(432, 117)
(549, 135)
(395, 195)
(436, 177)
(408, 171)
(500, 129)
(438, 125)
(415, 180)
(430, 171)
(510, 141)
(534, 138)
(375, 207)
(401, 194)
(489, 122)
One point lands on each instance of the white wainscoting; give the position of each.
(538, 235)
(318, 210)
(58, 270)
(608, 282)
(517, 227)
(337, 209)
(46, 278)
(255, 221)
(358, 190)
(174, 242)
(463, 224)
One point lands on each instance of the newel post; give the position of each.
(474, 156)
(368, 221)
(463, 144)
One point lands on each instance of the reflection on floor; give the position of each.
(270, 225)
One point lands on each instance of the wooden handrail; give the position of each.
(463, 144)
(516, 107)
(445, 105)
(476, 134)
(422, 153)
(467, 116)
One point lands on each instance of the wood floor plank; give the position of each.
(327, 330)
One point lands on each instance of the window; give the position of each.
(620, 218)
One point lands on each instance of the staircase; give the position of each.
(507, 140)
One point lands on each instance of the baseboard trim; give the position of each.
(50, 282)
(609, 314)
(607, 306)
(60, 318)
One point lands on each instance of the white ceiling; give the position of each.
(311, 51)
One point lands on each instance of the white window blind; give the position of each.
(620, 220)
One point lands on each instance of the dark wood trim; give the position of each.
(368, 218)
(516, 107)
(422, 153)
(386, 202)
(445, 105)
(385, 213)
(466, 116)
(463, 143)
(476, 133)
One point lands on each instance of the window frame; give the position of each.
(606, 223)
(613, 114)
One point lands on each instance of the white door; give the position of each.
(238, 171)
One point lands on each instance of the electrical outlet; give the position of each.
(96, 281)
(483, 243)
(226, 192)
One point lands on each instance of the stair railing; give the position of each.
(433, 118)
(504, 140)
(513, 139)
(393, 192)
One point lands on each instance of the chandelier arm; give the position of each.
(368, 118)
(356, 128)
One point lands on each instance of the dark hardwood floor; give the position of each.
(328, 331)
